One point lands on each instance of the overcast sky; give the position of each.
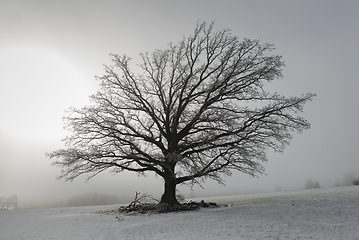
(51, 51)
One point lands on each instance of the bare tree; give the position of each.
(2, 202)
(197, 110)
(11, 201)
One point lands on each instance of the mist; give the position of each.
(72, 41)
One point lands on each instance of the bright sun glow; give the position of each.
(37, 86)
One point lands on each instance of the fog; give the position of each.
(51, 51)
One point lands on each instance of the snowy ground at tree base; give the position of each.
(326, 213)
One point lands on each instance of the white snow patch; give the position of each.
(327, 213)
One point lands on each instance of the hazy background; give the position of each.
(50, 52)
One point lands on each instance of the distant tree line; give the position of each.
(92, 199)
(10, 202)
(349, 179)
(311, 184)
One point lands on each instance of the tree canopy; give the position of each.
(198, 109)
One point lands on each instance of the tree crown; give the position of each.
(198, 109)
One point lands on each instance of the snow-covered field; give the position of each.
(327, 213)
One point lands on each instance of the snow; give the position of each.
(326, 213)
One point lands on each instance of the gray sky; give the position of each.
(50, 52)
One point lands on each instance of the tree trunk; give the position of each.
(169, 195)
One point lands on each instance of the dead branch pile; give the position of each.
(146, 204)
